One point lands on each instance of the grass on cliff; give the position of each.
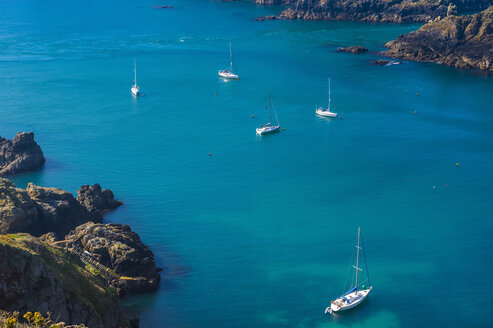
(81, 284)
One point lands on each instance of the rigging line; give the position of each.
(347, 273)
(366, 264)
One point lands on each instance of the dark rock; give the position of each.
(269, 17)
(97, 201)
(58, 210)
(39, 210)
(353, 50)
(120, 249)
(21, 154)
(38, 277)
(398, 11)
(383, 62)
(460, 41)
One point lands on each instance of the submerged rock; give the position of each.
(37, 277)
(20, 155)
(353, 50)
(460, 41)
(383, 62)
(120, 249)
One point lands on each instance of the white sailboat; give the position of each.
(325, 111)
(228, 73)
(269, 127)
(358, 292)
(135, 88)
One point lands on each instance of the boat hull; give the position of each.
(228, 75)
(267, 130)
(325, 113)
(355, 298)
(135, 91)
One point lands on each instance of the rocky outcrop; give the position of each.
(353, 50)
(119, 248)
(38, 210)
(18, 212)
(460, 41)
(97, 201)
(58, 210)
(383, 62)
(20, 155)
(397, 11)
(37, 277)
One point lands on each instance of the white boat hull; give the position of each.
(268, 129)
(325, 112)
(228, 75)
(135, 90)
(355, 298)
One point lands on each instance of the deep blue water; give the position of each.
(260, 234)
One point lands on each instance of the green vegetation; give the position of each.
(29, 319)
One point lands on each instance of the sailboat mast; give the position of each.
(135, 73)
(270, 108)
(357, 258)
(230, 58)
(329, 93)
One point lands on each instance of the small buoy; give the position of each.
(457, 164)
(417, 94)
(252, 116)
(415, 112)
(210, 154)
(215, 94)
(340, 118)
(283, 129)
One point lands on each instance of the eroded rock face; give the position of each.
(353, 50)
(460, 41)
(39, 210)
(34, 277)
(21, 154)
(120, 249)
(97, 201)
(398, 11)
(58, 210)
(18, 212)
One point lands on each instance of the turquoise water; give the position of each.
(260, 234)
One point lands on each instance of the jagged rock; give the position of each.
(353, 50)
(460, 41)
(18, 212)
(120, 249)
(38, 210)
(38, 277)
(398, 11)
(19, 155)
(97, 201)
(58, 210)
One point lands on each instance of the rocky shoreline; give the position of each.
(450, 36)
(459, 41)
(56, 255)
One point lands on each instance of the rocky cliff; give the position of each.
(396, 11)
(38, 210)
(460, 41)
(35, 276)
(119, 248)
(20, 155)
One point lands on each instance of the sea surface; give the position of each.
(261, 232)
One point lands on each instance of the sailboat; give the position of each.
(325, 111)
(358, 292)
(269, 128)
(228, 73)
(135, 88)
